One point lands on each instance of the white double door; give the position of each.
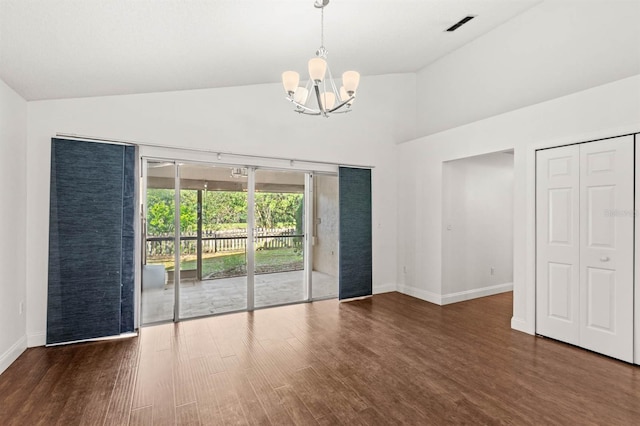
(585, 242)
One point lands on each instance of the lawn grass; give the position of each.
(234, 264)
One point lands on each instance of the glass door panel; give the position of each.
(325, 244)
(213, 240)
(158, 291)
(279, 238)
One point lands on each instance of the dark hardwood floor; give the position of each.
(389, 359)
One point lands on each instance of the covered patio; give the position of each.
(210, 297)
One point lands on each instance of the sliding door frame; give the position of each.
(251, 240)
(141, 234)
(176, 241)
(309, 220)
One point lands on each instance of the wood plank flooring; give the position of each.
(390, 359)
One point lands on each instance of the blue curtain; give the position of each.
(355, 278)
(91, 240)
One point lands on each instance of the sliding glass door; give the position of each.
(325, 236)
(213, 250)
(159, 237)
(279, 238)
(221, 239)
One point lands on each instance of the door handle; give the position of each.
(604, 259)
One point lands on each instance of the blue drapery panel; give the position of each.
(91, 240)
(355, 233)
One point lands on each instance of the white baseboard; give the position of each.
(11, 354)
(36, 339)
(420, 294)
(386, 288)
(475, 293)
(523, 326)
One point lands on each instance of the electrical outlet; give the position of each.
(493, 270)
(404, 269)
(20, 307)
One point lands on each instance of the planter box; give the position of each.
(153, 277)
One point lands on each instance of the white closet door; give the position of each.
(558, 243)
(606, 252)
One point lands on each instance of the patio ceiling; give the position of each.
(200, 177)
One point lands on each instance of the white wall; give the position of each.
(556, 48)
(13, 187)
(602, 111)
(477, 226)
(248, 120)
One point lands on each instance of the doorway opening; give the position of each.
(477, 226)
(220, 239)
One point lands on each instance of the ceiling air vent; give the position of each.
(460, 23)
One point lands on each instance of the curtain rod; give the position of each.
(209, 151)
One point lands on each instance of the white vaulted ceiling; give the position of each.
(64, 48)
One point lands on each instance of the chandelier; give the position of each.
(320, 96)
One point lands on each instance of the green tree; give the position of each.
(219, 208)
(160, 212)
(300, 216)
(188, 211)
(276, 209)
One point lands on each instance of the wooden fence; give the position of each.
(231, 240)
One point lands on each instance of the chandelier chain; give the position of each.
(322, 27)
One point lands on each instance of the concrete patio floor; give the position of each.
(209, 297)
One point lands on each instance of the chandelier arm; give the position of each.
(324, 87)
(320, 105)
(307, 87)
(304, 107)
(333, 84)
(341, 105)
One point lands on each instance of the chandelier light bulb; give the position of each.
(290, 80)
(344, 96)
(317, 69)
(328, 100)
(350, 80)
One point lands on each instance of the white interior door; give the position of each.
(606, 247)
(558, 243)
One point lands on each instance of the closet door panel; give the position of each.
(558, 248)
(606, 252)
